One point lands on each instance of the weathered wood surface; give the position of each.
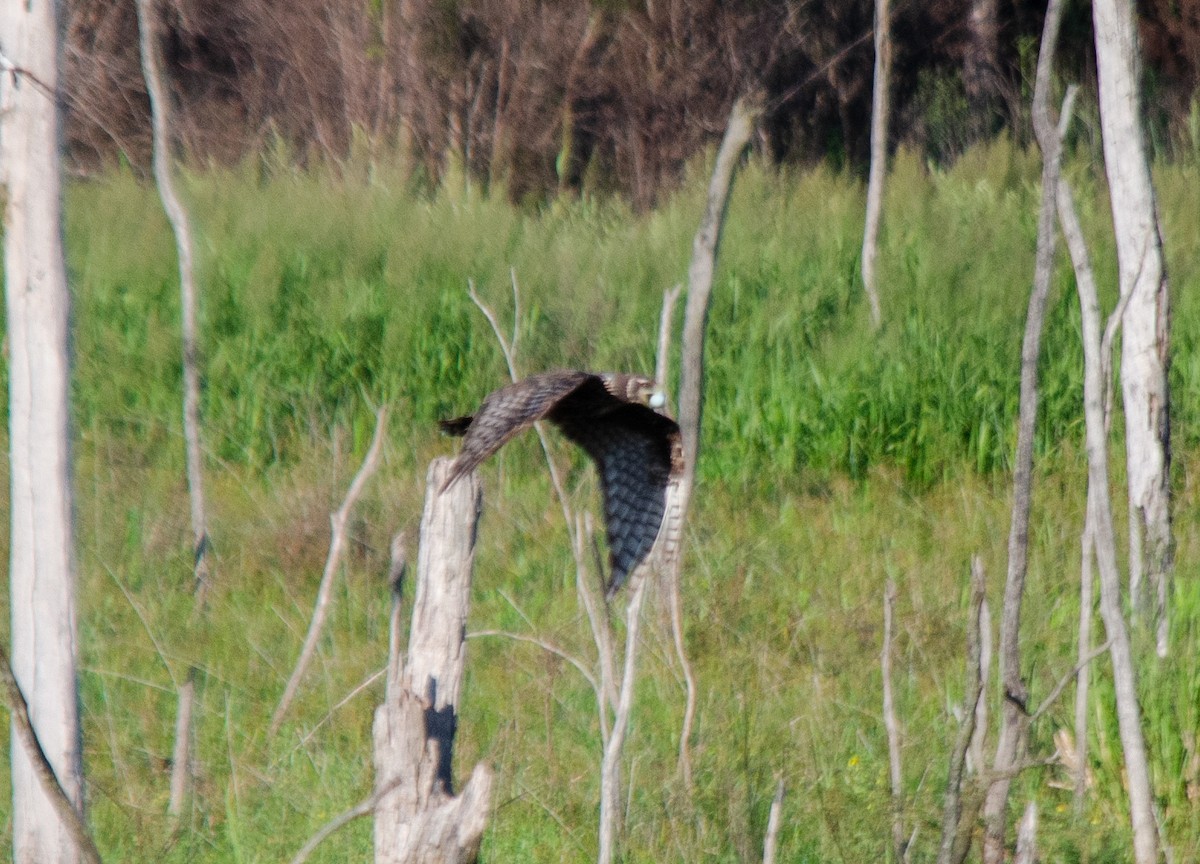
(421, 820)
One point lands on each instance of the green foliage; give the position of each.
(832, 459)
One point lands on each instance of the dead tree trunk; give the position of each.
(1014, 718)
(1099, 530)
(1146, 322)
(42, 553)
(879, 136)
(700, 278)
(180, 226)
(742, 118)
(421, 820)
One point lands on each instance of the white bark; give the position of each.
(1143, 281)
(1099, 525)
(878, 171)
(421, 820)
(42, 565)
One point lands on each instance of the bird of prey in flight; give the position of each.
(614, 418)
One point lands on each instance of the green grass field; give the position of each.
(832, 459)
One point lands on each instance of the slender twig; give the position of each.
(18, 709)
(345, 700)
(611, 766)
(338, 522)
(548, 647)
(1053, 695)
(363, 808)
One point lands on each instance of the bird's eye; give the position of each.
(657, 399)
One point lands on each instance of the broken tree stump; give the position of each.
(419, 818)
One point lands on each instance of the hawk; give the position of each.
(613, 417)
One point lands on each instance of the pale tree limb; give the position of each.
(1100, 522)
(177, 215)
(1011, 740)
(880, 104)
(1062, 683)
(338, 522)
(891, 725)
(742, 118)
(549, 648)
(18, 710)
(1142, 275)
(959, 808)
(1027, 836)
(673, 570)
(610, 770)
(774, 821)
(662, 361)
(701, 269)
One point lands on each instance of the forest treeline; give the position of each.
(604, 95)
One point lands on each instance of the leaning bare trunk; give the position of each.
(1100, 528)
(180, 225)
(700, 279)
(879, 135)
(42, 562)
(1010, 744)
(1143, 284)
(421, 821)
(177, 215)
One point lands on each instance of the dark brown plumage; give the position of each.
(636, 449)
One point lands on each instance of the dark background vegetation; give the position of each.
(608, 95)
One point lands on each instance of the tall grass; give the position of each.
(832, 459)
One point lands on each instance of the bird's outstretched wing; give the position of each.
(505, 413)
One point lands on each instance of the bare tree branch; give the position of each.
(337, 523)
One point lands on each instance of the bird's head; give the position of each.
(636, 388)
